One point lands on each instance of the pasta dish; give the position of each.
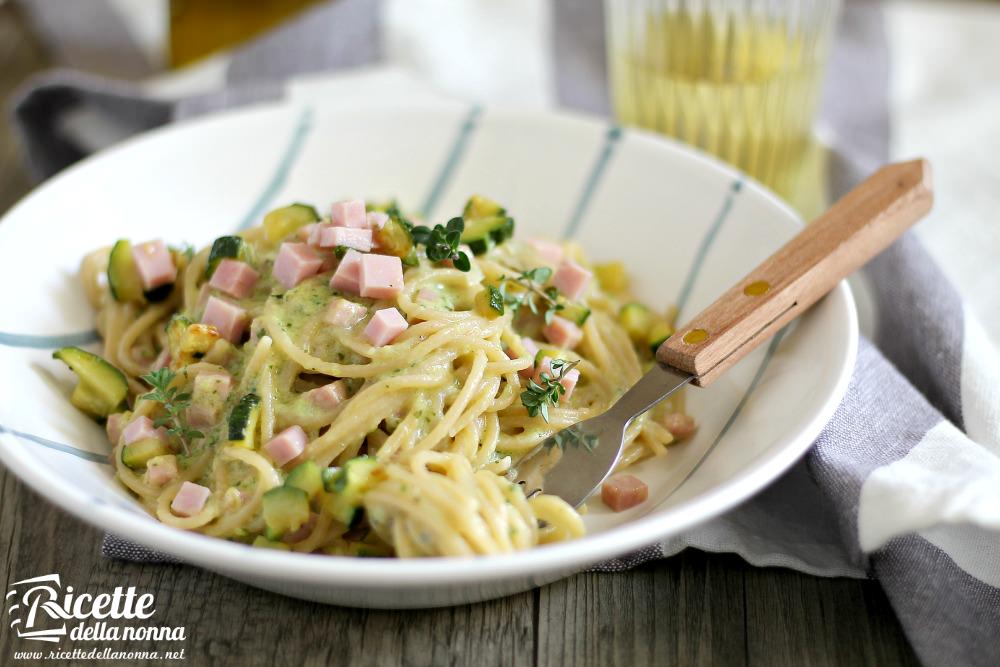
(361, 383)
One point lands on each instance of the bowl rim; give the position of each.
(218, 554)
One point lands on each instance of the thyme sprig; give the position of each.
(531, 293)
(174, 403)
(547, 390)
(442, 242)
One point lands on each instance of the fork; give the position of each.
(573, 463)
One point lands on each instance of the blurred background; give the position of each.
(745, 80)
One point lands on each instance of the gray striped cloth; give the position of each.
(903, 485)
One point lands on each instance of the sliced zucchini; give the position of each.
(658, 332)
(281, 222)
(636, 319)
(101, 389)
(479, 207)
(612, 276)
(306, 476)
(549, 352)
(123, 277)
(243, 422)
(347, 486)
(285, 508)
(482, 234)
(393, 238)
(575, 312)
(139, 453)
(483, 306)
(261, 542)
(226, 247)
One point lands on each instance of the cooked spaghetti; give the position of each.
(359, 384)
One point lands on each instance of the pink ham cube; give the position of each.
(348, 237)
(385, 326)
(328, 396)
(377, 219)
(161, 470)
(550, 251)
(295, 262)
(572, 279)
(141, 428)
(349, 213)
(381, 276)
(305, 234)
(154, 264)
(235, 278)
(115, 425)
(344, 313)
(190, 499)
(229, 319)
(531, 349)
(287, 445)
(208, 397)
(568, 381)
(563, 333)
(347, 277)
(624, 491)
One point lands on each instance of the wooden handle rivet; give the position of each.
(695, 336)
(757, 288)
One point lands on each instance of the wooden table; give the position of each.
(694, 608)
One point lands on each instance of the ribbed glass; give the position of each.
(738, 79)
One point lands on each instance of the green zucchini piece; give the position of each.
(479, 207)
(123, 277)
(575, 312)
(261, 542)
(658, 332)
(482, 234)
(347, 486)
(101, 389)
(139, 453)
(306, 476)
(226, 247)
(394, 239)
(285, 508)
(243, 422)
(636, 319)
(281, 222)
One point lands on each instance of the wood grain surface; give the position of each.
(691, 609)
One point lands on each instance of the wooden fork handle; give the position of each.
(857, 228)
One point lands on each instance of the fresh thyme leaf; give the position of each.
(461, 261)
(174, 404)
(442, 243)
(496, 299)
(548, 390)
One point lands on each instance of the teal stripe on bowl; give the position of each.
(281, 171)
(57, 446)
(706, 245)
(48, 342)
(453, 157)
(611, 139)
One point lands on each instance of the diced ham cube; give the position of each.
(377, 219)
(531, 349)
(115, 425)
(428, 295)
(235, 278)
(385, 326)
(190, 499)
(208, 397)
(347, 277)
(154, 264)
(161, 470)
(305, 234)
(349, 213)
(295, 262)
(568, 381)
(624, 491)
(680, 425)
(141, 428)
(563, 333)
(287, 445)
(328, 396)
(162, 359)
(344, 313)
(349, 237)
(381, 276)
(229, 319)
(572, 279)
(550, 251)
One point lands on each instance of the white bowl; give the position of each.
(687, 225)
